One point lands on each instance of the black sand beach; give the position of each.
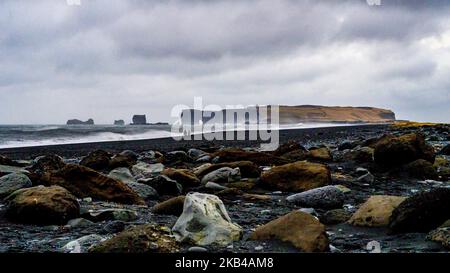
(168, 144)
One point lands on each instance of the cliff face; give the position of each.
(311, 113)
(305, 114)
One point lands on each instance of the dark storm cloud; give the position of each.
(115, 58)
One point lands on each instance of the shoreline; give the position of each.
(169, 144)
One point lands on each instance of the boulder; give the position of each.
(335, 216)
(248, 169)
(367, 178)
(441, 235)
(259, 158)
(42, 206)
(123, 215)
(97, 160)
(173, 206)
(296, 177)
(122, 174)
(376, 211)
(183, 176)
(47, 163)
(122, 160)
(205, 221)
(79, 122)
(222, 175)
(362, 154)
(84, 182)
(146, 192)
(139, 239)
(288, 147)
(196, 153)
(163, 185)
(8, 162)
(4, 170)
(320, 154)
(12, 182)
(119, 122)
(300, 229)
(146, 170)
(296, 155)
(82, 245)
(421, 169)
(391, 151)
(445, 150)
(327, 197)
(177, 156)
(421, 212)
(347, 145)
(79, 223)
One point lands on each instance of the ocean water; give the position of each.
(14, 136)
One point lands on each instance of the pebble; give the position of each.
(197, 249)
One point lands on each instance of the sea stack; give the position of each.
(119, 122)
(79, 122)
(139, 120)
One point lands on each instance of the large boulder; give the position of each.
(296, 177)
(422, 212)
(122, 174)
(391, 151)
(260, 158)
(205, 221)
(335, 216)
(12, 182)
(146, 170)
(320, 154)
(248, 169)
(139, 239)
(97, 160)
(6, 161)
(328, 197)
(85, 182)
(222, 175)
(125, 160)
(421, 169)
(4, 170)
(300, 229)
(47, 163)
(183, 176)
(376, 211)
(173, 206)
(42, 206)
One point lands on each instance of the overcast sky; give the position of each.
(110, 59)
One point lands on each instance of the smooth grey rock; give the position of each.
(196, 153)
(203, 159)
(112, 214)
(147, 170)
(215, 186)
(81, 245)
(11, 169)
(223, 175)
(145, 191)
(12, 182)
(197, 249)
(205, 221)
(324, 197)
(367, 178)
(122, 174)
(79, 222)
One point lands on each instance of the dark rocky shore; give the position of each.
(343, 189)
